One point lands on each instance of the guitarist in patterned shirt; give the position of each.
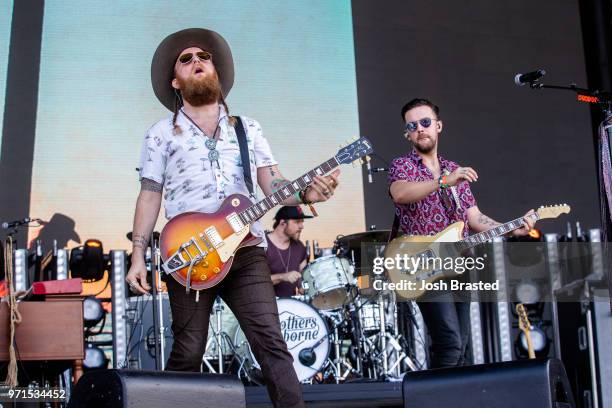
(430, 193)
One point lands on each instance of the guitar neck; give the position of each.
(498, 231)
(259, 209)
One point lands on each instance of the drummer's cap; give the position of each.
(290, 212)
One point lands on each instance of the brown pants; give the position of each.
(248, 291)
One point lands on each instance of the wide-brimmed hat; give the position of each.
(162, 66)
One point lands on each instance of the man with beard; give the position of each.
(430, 193)
(194, 156)
(286, 254)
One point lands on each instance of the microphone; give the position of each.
(11, 224)
(529, 77)
(369, 168)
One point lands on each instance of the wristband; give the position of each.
(442, 183)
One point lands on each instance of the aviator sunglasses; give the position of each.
(189, 56)
(412, 126)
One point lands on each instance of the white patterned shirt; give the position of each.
(191, 182)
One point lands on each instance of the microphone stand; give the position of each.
(604, 100)
(158, 309)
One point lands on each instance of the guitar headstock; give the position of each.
(524, 323)
(553, 211)
(354, 151)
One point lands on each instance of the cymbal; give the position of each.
(155, 235)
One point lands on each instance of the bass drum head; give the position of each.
(302, 327)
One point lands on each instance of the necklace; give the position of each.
(211, 142)
(285, 264)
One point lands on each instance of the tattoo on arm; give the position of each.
(150, 185)
(278, 183)
(140, 241)
(273, 170)
(484, 220)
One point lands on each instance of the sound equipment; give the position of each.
(57, 287)
(585, 330)
(141, 331)
(526, 383)
(156, 389)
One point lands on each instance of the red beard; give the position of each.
(200, 91)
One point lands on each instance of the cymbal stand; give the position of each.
(339, 362)
(219, 337)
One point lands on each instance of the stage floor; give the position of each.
(362, 394)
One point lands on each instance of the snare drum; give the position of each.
(303, 328)
(327, 281)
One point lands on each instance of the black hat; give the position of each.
(162, 67)
(291, 212)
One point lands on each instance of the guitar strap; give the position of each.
(244, 154)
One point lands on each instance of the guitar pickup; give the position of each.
(234, 222)
(213, 237)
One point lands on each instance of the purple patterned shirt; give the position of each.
(436, 211)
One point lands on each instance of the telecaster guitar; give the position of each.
(445, 244)
(525, 326)
(197, 248)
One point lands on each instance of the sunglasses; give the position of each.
(413, 126)
(189, 56)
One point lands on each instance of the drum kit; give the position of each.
(340, 330)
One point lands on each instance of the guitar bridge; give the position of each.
(182, 257)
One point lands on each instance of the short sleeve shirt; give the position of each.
(439, 209)
(191, 181)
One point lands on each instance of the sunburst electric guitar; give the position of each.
(415, 275)
(197, 248)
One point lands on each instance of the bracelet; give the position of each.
(298, 197)
(302, 196)
(442, 184)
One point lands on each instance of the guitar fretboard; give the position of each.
(488, 235)
(259, 209)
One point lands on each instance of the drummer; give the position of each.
(286, 253)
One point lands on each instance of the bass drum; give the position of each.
(304, 330)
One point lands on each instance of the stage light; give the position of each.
(527, 292)
(88, 262)
(92, 311)
(539, 341)
(94, 357)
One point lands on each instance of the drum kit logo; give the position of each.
(297, 330)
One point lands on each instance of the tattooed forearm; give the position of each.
(273, 170)
(278, 183)
(486, 221)
(140, 241)
(150, 185)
